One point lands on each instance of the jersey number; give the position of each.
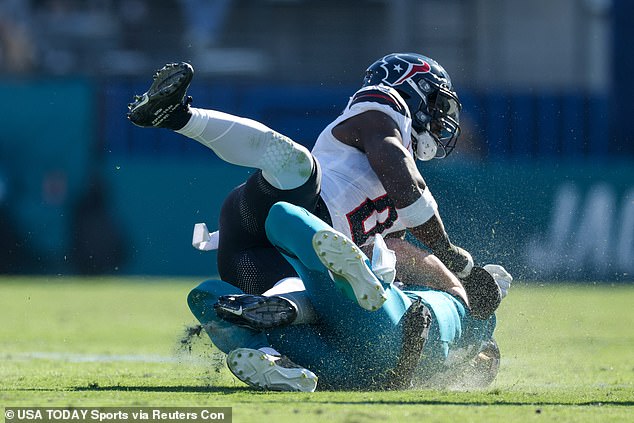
(370, 218)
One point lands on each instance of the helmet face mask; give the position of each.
(427, 90)
(444, 125)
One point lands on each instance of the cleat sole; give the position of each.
(345, 259)
(267, 313)
(259, 370)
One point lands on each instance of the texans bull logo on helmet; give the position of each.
(399, 69)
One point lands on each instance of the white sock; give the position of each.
(305, 311)
(285, 164)
(292, 289)
(269, 351)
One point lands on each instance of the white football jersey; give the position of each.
(358, 204)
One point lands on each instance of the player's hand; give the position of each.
(501, 277)
(483, 293)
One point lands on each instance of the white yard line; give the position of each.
(102, 358)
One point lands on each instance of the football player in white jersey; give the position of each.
(361, 176)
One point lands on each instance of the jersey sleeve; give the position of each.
(381, 96)
(386, 100)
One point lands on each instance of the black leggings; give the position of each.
(246, 258)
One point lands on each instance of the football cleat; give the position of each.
(269, 372)
(485, 366)
(467, 372)
(345, 260)
(256, 311)
(165, 104)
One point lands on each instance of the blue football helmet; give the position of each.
(433, 104)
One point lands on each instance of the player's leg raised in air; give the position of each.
(313, 245)
(287, 172)
(285, 164)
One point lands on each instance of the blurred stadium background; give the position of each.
(542, 180)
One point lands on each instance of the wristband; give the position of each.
(419, 212)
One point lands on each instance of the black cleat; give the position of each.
(256, 311)
(165, 104)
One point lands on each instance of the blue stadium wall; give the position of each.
(533, 185)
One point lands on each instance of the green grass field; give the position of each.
(567, 355)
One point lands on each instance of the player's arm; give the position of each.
(416, 266)
(377, 135)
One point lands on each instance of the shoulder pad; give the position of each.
(382, 95)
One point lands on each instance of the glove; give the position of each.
(501, 277)
(483, 293)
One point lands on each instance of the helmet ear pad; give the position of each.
(425, 147)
